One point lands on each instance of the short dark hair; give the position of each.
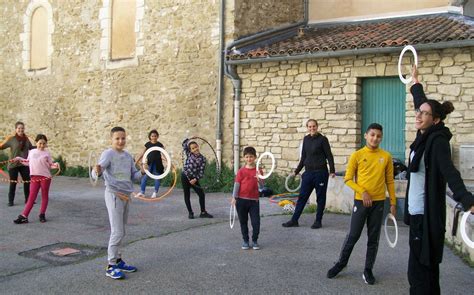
(19, 123)
(116, 129)
(192, 142)
(153, 132)
(41, 136)
(374, 126)
(250, 151)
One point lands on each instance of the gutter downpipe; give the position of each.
(230, 71)
(220, 85)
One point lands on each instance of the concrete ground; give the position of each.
(176, 255)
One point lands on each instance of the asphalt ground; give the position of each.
(176, 255)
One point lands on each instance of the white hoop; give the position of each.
(286, 184)
(390, 243)
(412, 49)
(258, 164)
(232, 214)
(464, 236)
(93, 179)
(168, 160)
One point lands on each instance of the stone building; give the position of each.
(74, 69)
(340, 66)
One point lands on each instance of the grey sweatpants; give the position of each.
(118, 215)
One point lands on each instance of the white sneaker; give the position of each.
(154, 195)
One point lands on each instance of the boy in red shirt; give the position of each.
(245, 198)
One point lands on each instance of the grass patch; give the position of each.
(464, 256)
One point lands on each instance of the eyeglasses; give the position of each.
(423, 113)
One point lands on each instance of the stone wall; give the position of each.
(255, 16)
(278, 98)
(172, 89)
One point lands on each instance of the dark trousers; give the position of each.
(244, 209)
(360, 215)
(187, 193)
(423, 279)
(25, 174)
(310, 180)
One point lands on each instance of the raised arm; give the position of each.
(416, 90)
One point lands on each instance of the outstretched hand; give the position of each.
(414, 74)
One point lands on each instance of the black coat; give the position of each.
(439, 171)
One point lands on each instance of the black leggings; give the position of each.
(187, 193)
(25, 174)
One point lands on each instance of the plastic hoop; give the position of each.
(412, 49)
(26, 181)
(285, 196)
(168, 160)
(232, 213)
(93, 180)
(390, 243)
(258, 164)
(464, 236)
(159, 198)
(286, 184)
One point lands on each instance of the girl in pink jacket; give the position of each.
(40, 162)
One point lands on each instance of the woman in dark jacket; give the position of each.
(430, 168)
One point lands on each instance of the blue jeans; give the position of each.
(152, 169)
(310, 180)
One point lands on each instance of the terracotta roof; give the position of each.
(425, 29)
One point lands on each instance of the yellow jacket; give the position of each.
(371, 171)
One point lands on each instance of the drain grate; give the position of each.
(64, 253)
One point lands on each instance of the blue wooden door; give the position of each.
(383, 102)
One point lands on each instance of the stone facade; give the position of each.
(278, 98)
(255, 16)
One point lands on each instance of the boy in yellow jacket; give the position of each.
(369, 173)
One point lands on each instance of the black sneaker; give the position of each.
(290, 223)
(335, 270)
(205, 215)
(191, 215)
(21, 219)
(316, 224)
(42, 218)
(368, 276)
(10, 204)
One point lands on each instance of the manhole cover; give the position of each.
(64, 253)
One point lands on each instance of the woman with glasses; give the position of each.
(430, 168)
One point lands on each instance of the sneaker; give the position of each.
(114, 272)
(153, 195)
(42, 218)
(368, 276)
(124, 267)
(290, 223)
(140, 195)
(10, 204)
(316, 224)
(205, 215)
(21, 219)
(335, 270)
(191, 215)
(255, 246)
(245, 245)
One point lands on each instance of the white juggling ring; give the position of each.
(412, 49)
(92, 178)
(390, 243)
(258, 164)
(463, 225)
(286, 184)
(232, 214)
(168, 162)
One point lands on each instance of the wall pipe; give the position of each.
(220, 85)
(231, 72)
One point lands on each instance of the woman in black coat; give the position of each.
(430, 168)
